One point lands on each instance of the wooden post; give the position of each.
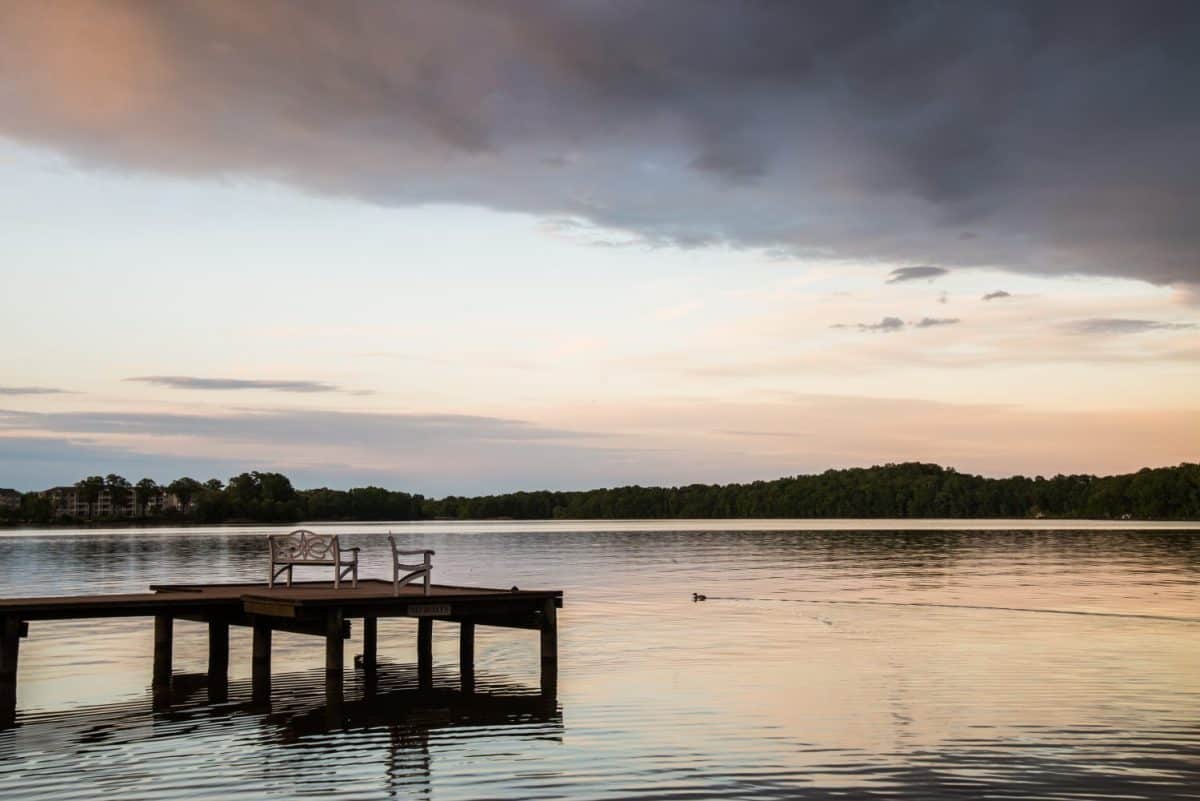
(335, 655)
(425, 652)
(164, 640)
(370, 644)
(466, 655)
(549, 649)
(260, 664)
(218, 661)
(10, 645)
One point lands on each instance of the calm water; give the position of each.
(824, 664)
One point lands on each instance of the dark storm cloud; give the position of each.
(1120, 325)
(31, 391)
(192, 382)
(915, 274)
(999, 293)
(1033, 136)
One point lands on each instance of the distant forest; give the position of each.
(909, 490)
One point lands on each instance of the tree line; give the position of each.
(908, 490)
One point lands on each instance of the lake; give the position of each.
(828, 661)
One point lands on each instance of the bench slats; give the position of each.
(304, 548)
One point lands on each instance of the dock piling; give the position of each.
(549, 647)
(425, 652)
(218, 660)
(260, 664)
(466, 655)
(335, 655)
(10, 645)
(370, 644)
(164, 641)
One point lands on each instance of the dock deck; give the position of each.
(316, 608)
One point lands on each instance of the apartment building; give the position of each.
(70, 502)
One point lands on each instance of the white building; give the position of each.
(70, 502)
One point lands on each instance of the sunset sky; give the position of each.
(459, 247)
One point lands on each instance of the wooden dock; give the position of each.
(314, 608)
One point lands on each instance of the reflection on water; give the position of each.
(832, 663)
(385, 742)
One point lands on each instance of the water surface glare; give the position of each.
(825, 663)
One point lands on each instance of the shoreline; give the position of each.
(649, 525)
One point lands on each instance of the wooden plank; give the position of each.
(307, 627)
(200, 611)
(313, 628)
(271, 607)
(205, 601)
(459, 609)
(268, 606)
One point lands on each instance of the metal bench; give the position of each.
(413, 571)
(303, 548)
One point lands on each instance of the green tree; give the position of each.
(35, 508)
(185, 489)
(143, 492)
(90, 489)
(119, 490)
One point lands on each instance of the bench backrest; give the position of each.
(303, 545)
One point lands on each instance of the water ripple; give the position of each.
(836, 663)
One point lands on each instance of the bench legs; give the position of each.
(343, 569)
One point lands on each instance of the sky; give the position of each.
(465, 247)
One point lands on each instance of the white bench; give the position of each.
(422, 569)
(303, 548)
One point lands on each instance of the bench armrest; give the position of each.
(410, 553)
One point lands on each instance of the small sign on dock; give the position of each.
(428, 610)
